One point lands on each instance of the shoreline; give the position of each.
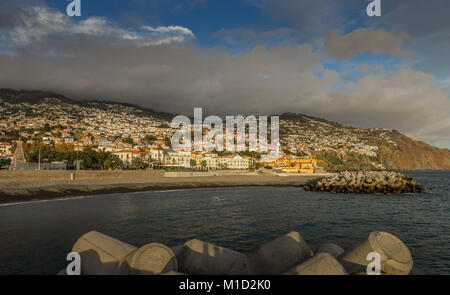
(23, 191)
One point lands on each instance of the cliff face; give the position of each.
(411, 154)
(395, 151)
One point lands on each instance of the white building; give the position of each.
(233, 162)
(127, 156)
(178, 159)
(5, 150)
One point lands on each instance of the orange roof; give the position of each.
(128, 151)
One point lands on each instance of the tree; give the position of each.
(88, 155)
(113, 162)
(46, 128)
(129, 140)
(101, 158)
(139, 163)
(149, 139)
(5, 163)
(64, 147)
(164, 125)
(167, 142)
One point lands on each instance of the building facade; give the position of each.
(294, 164)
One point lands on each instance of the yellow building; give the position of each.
(293, 164)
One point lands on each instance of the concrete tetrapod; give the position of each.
(330, 248)
(279, 255)
(395, 256)
(101, 254)
(202, 258)
(321, 264)
(177, 250)
(173, 273)
(150, 259)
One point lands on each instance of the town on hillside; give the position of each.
(59, 134)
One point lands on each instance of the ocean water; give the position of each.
(36, 237)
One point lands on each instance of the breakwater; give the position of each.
(289, 255)
(363, 182)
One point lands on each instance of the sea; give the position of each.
(35, 237)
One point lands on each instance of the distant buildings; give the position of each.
(207, 161)
(5, 150)
(293, 164)
(129, 133)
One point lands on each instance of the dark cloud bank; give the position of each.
(162, 68)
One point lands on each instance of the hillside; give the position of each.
(35, 97)
(412, 154)
(43, 114)
(340, 147)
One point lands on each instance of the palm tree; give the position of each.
(204, 165)
(193, 163)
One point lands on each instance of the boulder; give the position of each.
(368, 182)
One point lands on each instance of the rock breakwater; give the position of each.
(366, 182)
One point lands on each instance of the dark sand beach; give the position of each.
(40, 185)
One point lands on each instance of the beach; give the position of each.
(22, 186)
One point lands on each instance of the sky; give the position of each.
(325, 58)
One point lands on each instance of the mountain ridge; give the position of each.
(300, 134)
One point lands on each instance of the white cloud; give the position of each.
(35, 23)
(168, 35)
(170, 29)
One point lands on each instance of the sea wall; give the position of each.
(289, 254)
(52, 175)
(209, 173)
